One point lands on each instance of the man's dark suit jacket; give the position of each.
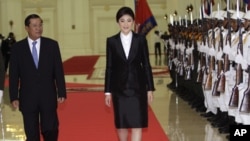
(132, 73)
(32, 86)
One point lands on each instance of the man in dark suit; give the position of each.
(37, 85)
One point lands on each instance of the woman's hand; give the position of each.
(61, 99)
(150, 97)
(108, 100)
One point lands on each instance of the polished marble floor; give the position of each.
(179, 121)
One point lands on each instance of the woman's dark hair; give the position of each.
(124, 11)
(32, 16)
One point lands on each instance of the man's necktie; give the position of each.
(34, 53)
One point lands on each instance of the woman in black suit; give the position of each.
(128, 79)
(36, 88)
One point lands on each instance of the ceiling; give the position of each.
(52, 3)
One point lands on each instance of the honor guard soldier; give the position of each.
(235, 79)
(243, 113)
(209, 56)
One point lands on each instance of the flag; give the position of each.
(144, 19)
(246, 1)
(248, 4)
(208, 6)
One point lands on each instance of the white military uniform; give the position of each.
(244, 60)
(231, 83)
(214, 50)
(218, 100)
(228, 74)
(210, 51)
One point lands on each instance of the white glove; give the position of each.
(219, 55)
(212, 51)
(240, 60)
(226, 49)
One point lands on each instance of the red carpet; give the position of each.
(79, 65)
(84, 117)
(76, 87)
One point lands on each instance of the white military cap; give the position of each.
(206, 16)
(247, 15)
(213, 15)
(220, 14)
(235, 15)
(231, 12)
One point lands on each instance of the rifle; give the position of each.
(220, 47)
(205, 71)
(219, 81)
(172, 50)
(202, 57)
(201, 71)
(178, 63)
(200, 76)
(222, 78)
(245, 103)
(239, 77)
(208, 84)
(180, 56)
(190, 61)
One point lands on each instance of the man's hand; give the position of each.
(15, 104)
(108, 100)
